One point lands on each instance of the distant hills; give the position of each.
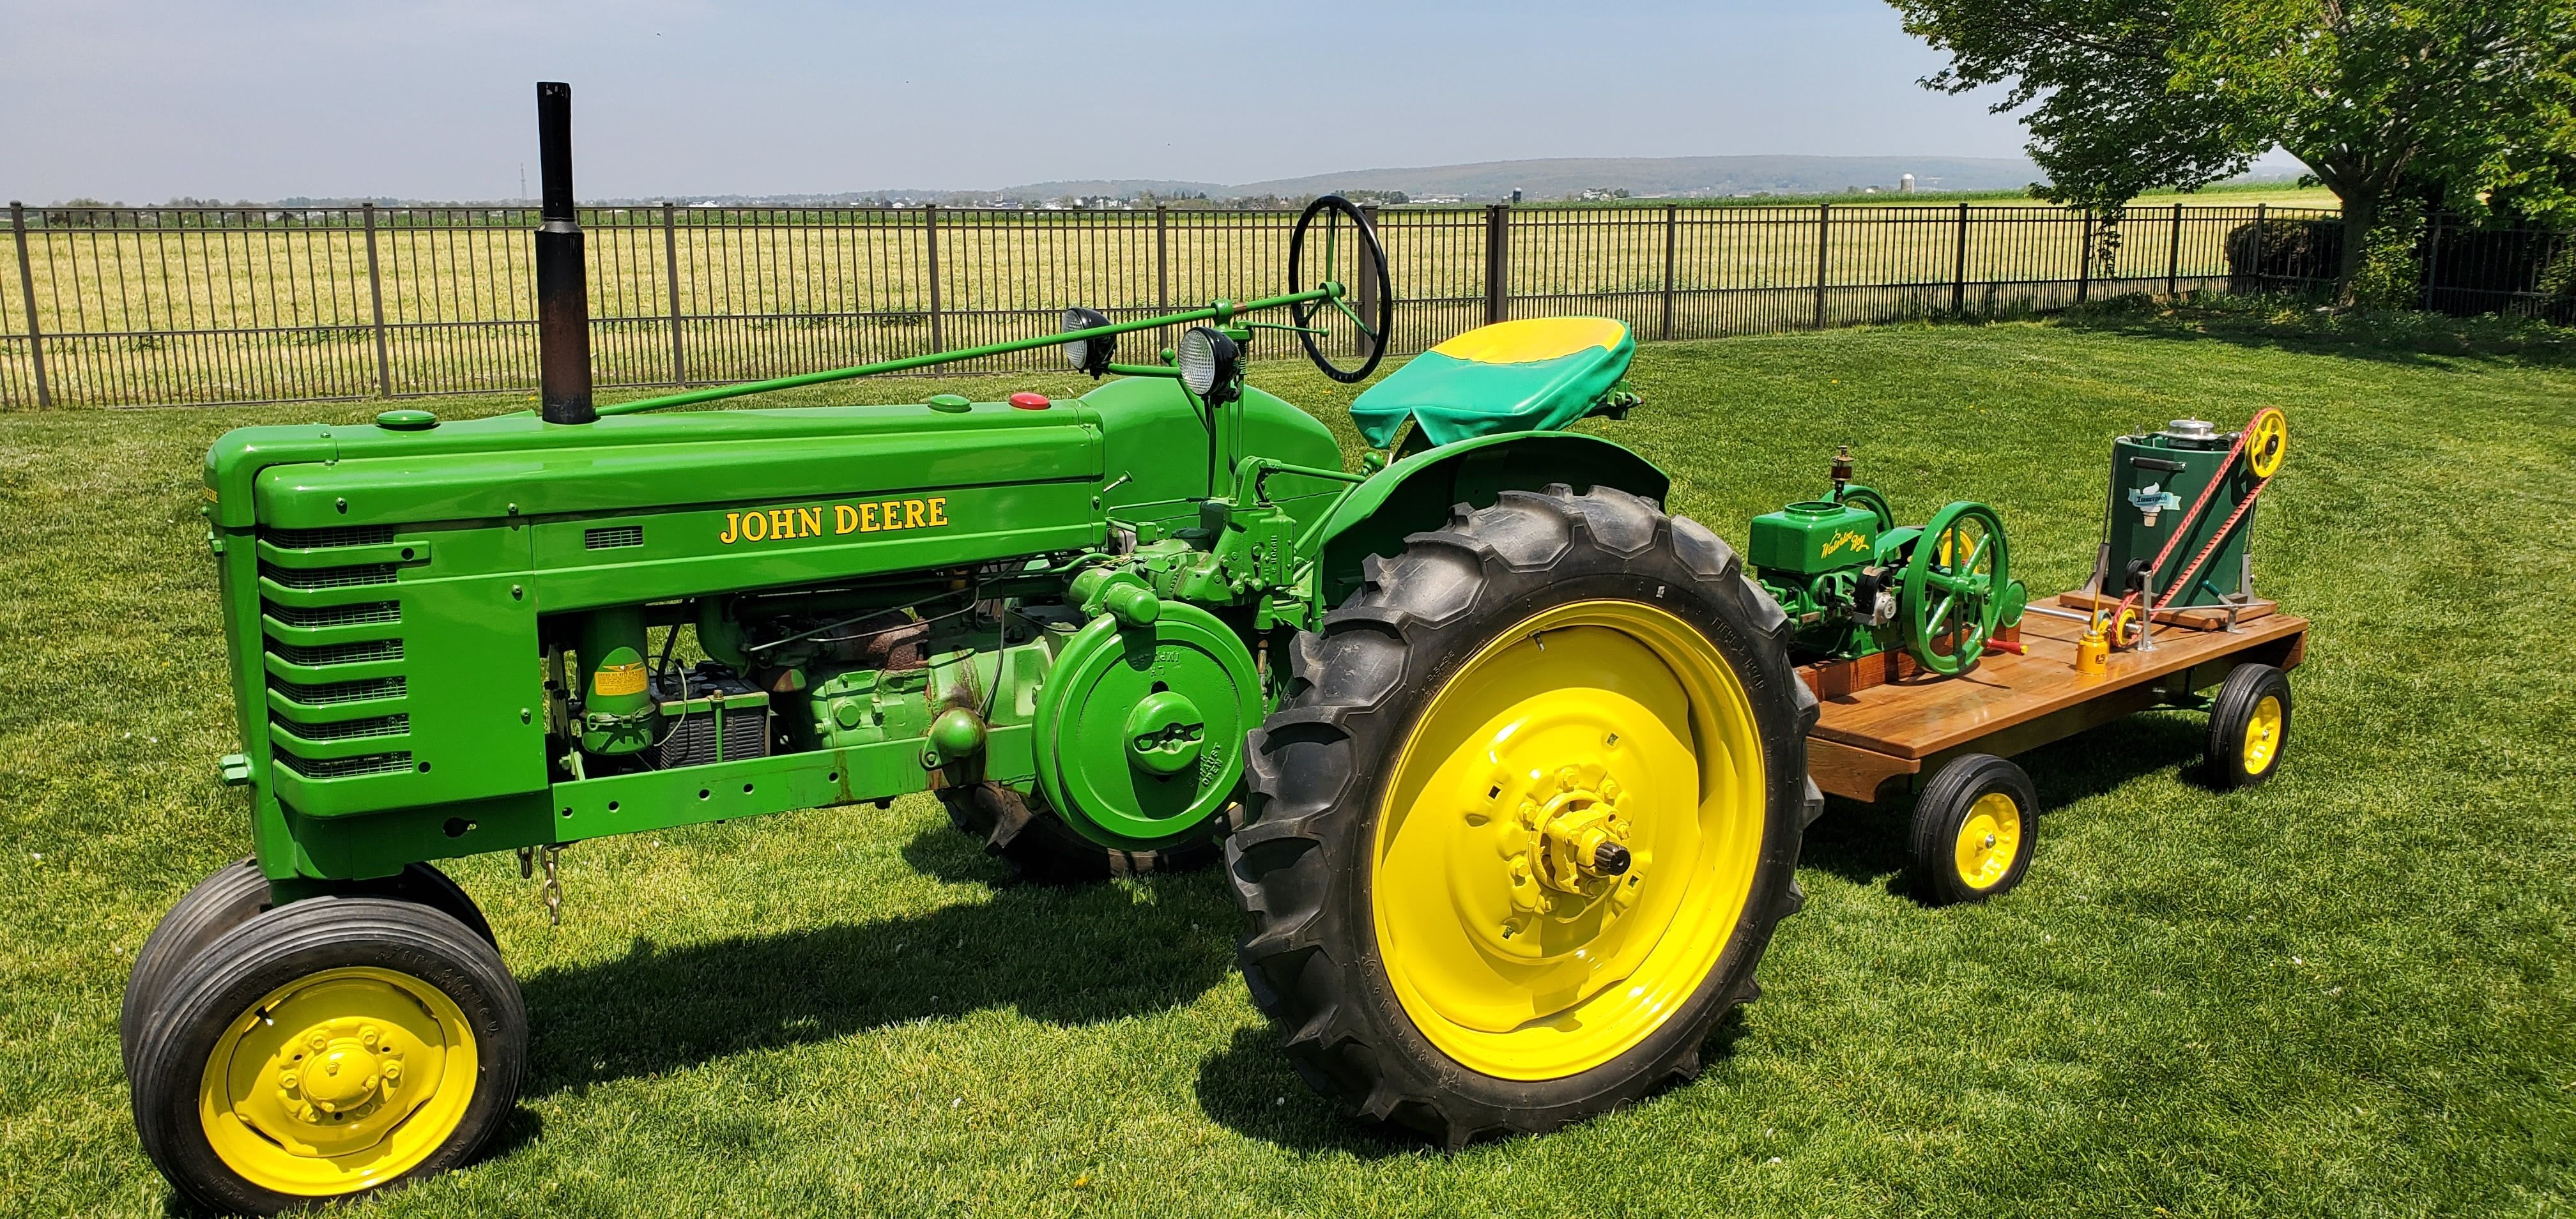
(1538, 180)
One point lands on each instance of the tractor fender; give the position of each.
(1416, 494)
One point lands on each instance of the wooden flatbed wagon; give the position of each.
(1949, 737)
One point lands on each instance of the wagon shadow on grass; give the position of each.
(1865, 843)
(1067, 955)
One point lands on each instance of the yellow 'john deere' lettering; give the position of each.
(872, 516)
(1843, 539)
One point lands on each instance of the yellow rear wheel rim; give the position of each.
(1989, 841)
(338, 1082)
(1510, 943)
(2263, 735)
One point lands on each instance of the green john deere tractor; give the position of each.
(1506, 765)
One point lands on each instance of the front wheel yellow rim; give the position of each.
(338, 1082)
(1989, 841)
(2263, 735)
(1568, 839)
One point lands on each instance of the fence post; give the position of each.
(1498, 262)
(2084, 260)
(930, 240)
(1672, 225)
(1824, 231)
(1364, 292)
(376, 305)
(1163, 270)
(671, 275)
(27, 287)
(2173, 257)
(1959, 274)
(2262, 212)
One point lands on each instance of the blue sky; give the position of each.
(143, 101)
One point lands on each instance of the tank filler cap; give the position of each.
(2191, 429)
(407, 420)
(1028, 401)
(950, 403)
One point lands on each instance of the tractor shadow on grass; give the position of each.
(1865, 843)
(1249, 1088)
(1066, 955)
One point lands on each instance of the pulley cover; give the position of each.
(1140, 728)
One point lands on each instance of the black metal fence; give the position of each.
(115, 306)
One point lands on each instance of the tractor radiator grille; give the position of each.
(320, 539)
(338, 653)
(346, 768)
(328, 577)
(347, 730)
(367, 613)
(329, 693)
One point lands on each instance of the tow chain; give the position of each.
(553, 890)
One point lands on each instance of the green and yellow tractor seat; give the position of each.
(1536, 374)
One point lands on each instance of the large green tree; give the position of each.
(2468, 104)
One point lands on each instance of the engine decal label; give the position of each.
(870, 516)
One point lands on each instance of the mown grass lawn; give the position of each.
(2350, 992)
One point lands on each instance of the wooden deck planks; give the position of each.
(1866, 737)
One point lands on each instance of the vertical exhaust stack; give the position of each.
(563, 288)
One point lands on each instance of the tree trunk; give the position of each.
(2360, 216)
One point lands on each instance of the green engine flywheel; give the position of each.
(1140, 728)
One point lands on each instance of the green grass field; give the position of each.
(2351, 992)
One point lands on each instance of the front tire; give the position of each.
(328, 1048)
(237, 893)
(1974, 829)
(1522, 827)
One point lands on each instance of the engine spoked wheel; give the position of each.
(328, 1048)
(1957, 587)
(1363, 325)
(1521, 831)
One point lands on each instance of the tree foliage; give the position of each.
(2464, 104)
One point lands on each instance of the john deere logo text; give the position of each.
(875, 516)
(1846, 538)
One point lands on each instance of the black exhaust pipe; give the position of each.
(563, 287)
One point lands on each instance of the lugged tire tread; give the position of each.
(1281, 864)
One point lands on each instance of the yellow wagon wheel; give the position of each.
(328, 1048)
(2249, 726)
(1973, 830)
(2267, 441)
(1519, 835)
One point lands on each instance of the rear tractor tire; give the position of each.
(1521, 830)
(324, 1049)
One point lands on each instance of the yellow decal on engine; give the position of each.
(870, 516)
(614, 680)
(1846, 538)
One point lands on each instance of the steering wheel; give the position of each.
(1369, 334)
(1955, 586)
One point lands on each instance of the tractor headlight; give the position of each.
(1209, 363)
(1091, 355)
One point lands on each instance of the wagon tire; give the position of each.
(2249, 726)
(1973, 831)
(1461, 619)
